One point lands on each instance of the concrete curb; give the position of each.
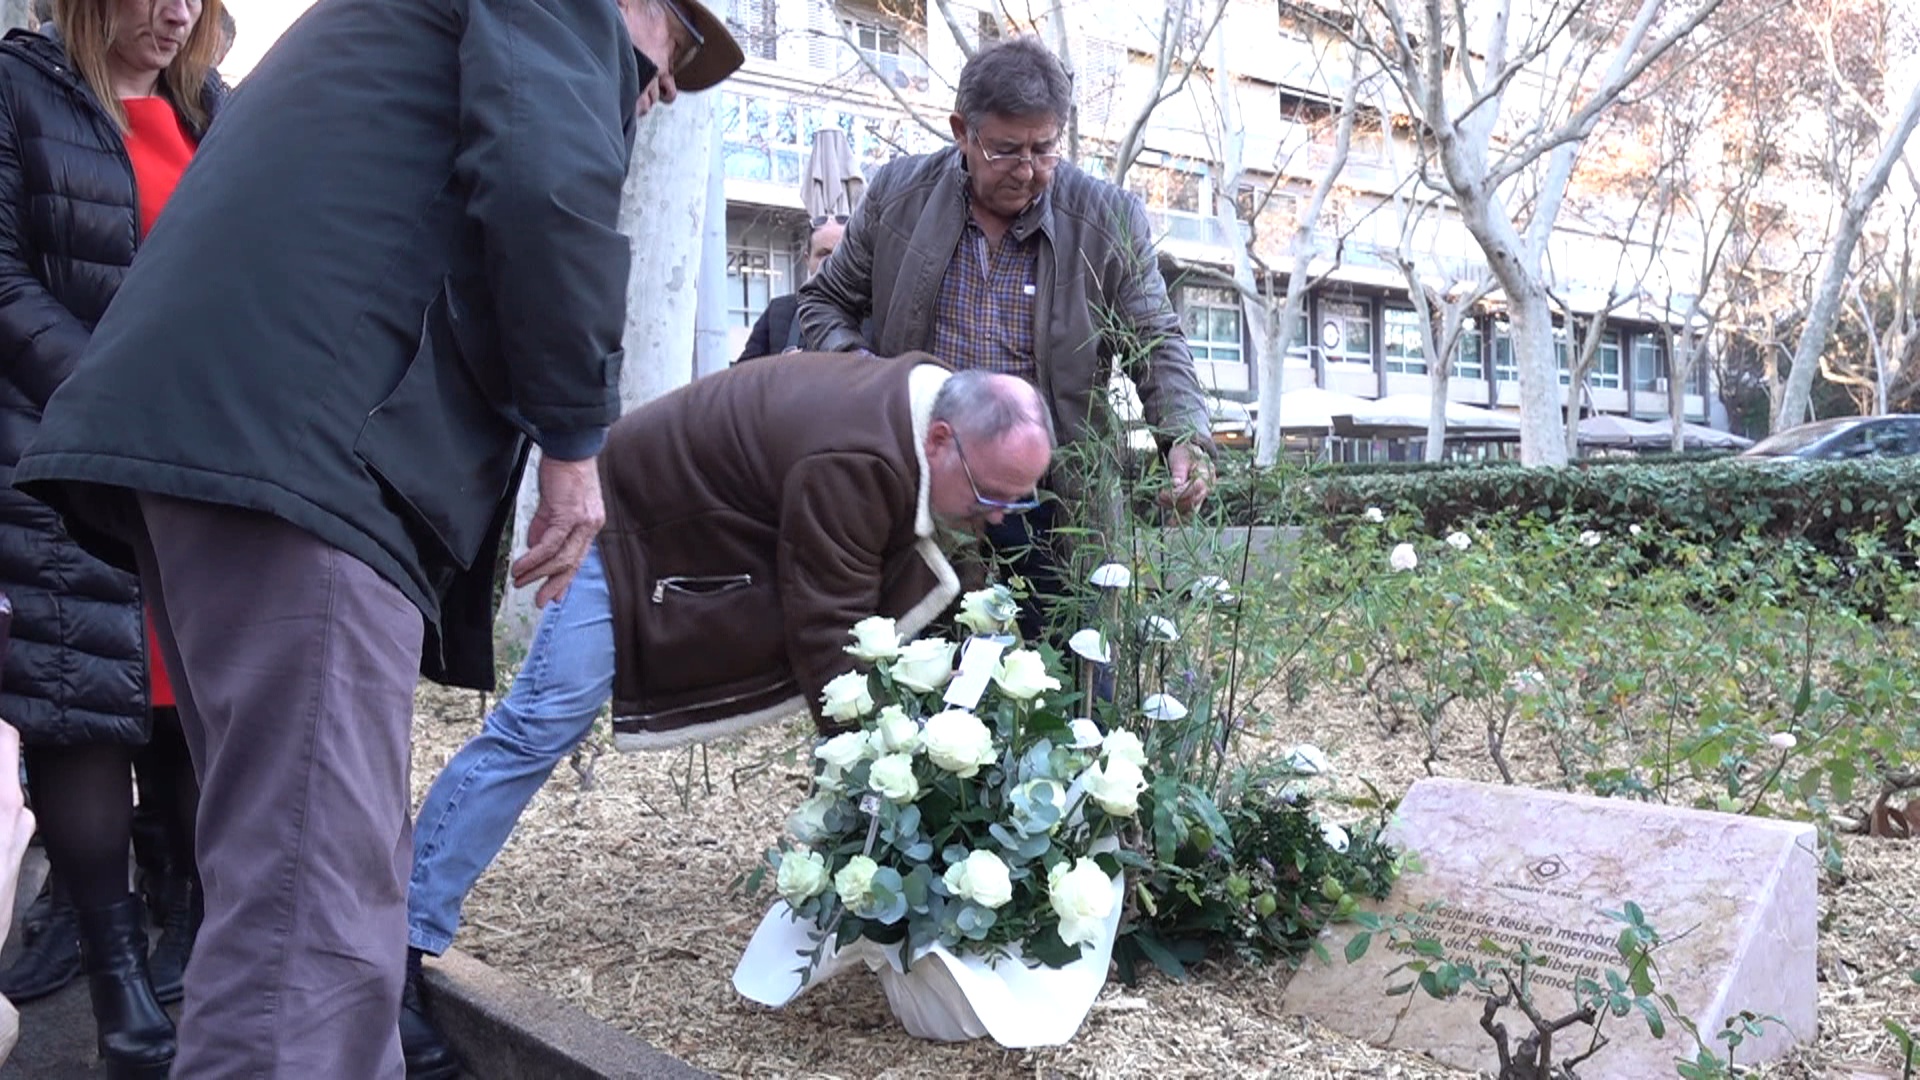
(506, 1030)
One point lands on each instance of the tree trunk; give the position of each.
(1267, 437)
(1834, 268)
(662, 212)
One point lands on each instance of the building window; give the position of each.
(1606, 366)
(1302, 344)
(1345, 334)
(752, 25)
(1504, 369)
(1212, 321)
(1649, 363)
(892, 58)
(1402, 350)
(1468, 360)
(1561, 357)
(761, 265)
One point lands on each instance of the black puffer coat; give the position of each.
(69, 224)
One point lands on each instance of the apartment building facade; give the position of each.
(884, 75)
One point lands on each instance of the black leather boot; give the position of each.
(136, 1038)
(50, 952)
(180, 910)
(425, 1050)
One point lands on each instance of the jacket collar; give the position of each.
(1037, 217)
(923, 384)
(47, 50)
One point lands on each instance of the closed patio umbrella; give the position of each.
(832, 183)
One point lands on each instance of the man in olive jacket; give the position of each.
(393, 263)
(752, 518)
(995, 253)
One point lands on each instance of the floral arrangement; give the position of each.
(972, 808)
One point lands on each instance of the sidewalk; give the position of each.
(504, 1029)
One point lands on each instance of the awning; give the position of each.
(1405, 415)
(1310, 410)
(1698, 435)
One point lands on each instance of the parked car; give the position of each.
(1843, 437)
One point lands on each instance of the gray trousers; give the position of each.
(295, 666)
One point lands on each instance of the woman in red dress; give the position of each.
(99, 116)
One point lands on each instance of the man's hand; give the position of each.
(1192, 474)
(568, 518)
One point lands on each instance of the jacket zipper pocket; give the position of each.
(698, 585)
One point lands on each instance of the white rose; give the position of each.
(1783, 740)
(854, 882)
(1089, 645)
(924, 665)
(1116, 785)
(1086, 733)
(1403, 558)
(1459, 541)
(982, 878)
(1023, 675)
(898, 732)
(1633, 530)
(846, 697)
(1334, 835)
(1163, 707)
(1375, 515)
(892, 777)
(1083, 898)
(1158, 628)
(875, 639)
(808, 822)
(958, 742)
(1308, 760)
(844, 751)
(988, 611)
(1111, 575)
(1213, 586)
(803, 876)
(1527, 681)
(1589, 538)
(1125, 746)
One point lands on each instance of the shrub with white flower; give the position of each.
(1403, 557)
(970, 823)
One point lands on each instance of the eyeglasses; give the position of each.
(1037, 161)
(680, 63)
(1009, 506)
(837, 219)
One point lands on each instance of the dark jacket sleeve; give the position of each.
(39, 338)
(772, 329)
(1170, 396)
(837, 300)
(835, 522)
(544, 95)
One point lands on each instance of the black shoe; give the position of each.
(50, 954)
(136, 1038)
(424, 1049)
(179, 919)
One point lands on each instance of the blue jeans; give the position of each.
(473, 805)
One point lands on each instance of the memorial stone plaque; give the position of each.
(1733, 898)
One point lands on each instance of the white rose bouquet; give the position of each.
(972, 822)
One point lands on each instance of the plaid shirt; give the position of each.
(984, 315)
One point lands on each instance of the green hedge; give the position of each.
(1821, 502)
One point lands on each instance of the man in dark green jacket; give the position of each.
(393, 264)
